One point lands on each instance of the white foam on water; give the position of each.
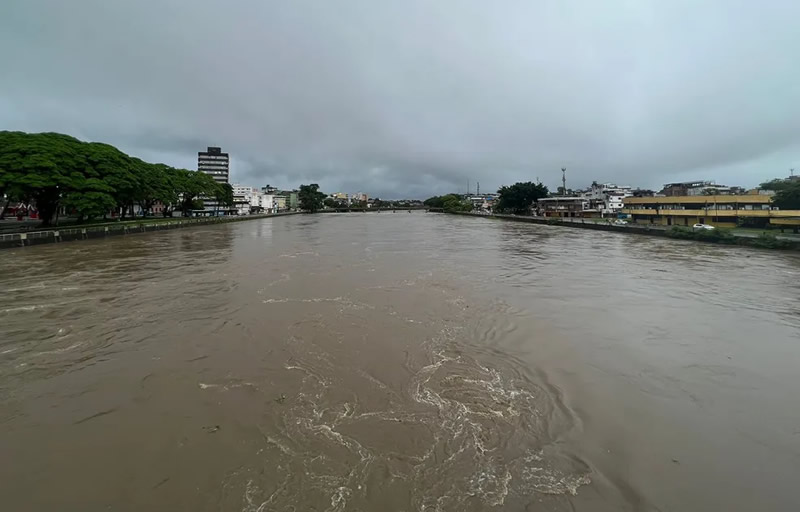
(226, 387)
(34, 307)
(339, 499)
(62, 350)
(489, 486)
(22, 308)
(469, 409)
(301, 253)
(40, 286)
(538, 477)
(250, 491)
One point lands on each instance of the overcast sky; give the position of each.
(415, 97)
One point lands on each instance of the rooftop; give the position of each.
(698, 183)
(742, 199)
(562, 198)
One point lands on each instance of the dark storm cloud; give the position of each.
(416, 97)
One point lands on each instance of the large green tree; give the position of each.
(11, 176)
(44, 167)
(118, 171)
(310, 198)
(224, 194)
(788, 197)
(776, 184)
(441, 201)
(193, 185)
(153, 185)
(89, 179)
(453, 203)
(519, 197)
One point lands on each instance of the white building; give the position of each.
(266, 202)
(608, 197)
(247, 200)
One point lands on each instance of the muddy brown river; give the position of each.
(398, 362)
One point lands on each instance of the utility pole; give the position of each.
(564, 179)
(478, 191)
(791, 172)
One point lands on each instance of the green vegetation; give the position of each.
(777, 184)
(770, 241)
(224, 195)
(449, 202)
(787, 193)
(788, 198)
(457, 205)
(438, 201)
(91, 179)
(310, 198)
(519, 197)
(719, 236)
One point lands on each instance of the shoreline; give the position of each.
(738, 240)
(76, 233)
(73, 233)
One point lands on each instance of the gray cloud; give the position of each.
(410, 98)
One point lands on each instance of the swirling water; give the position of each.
(398, 362)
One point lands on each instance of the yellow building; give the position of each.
(719, 210)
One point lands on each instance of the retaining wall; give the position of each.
(56, 235)
(627, 228)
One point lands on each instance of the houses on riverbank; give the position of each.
(677, 204)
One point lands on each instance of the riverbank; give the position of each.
(94, 231)
(719, 236)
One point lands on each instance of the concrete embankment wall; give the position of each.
(627, 228)
(56, 235)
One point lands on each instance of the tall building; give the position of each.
(217, 164)
(214, 162)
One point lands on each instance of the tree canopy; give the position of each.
(90, 179)
(519, 197)
(310, 198)
(449, 202)
(788, 197)
(224, 195)
(777, 184)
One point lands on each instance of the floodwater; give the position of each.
(409, 362)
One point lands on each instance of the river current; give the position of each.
(396, 361)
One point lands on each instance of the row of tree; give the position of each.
(449, 202)
(516, 198)
(91, 179)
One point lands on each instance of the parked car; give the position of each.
(620, 222)
(702, 226)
